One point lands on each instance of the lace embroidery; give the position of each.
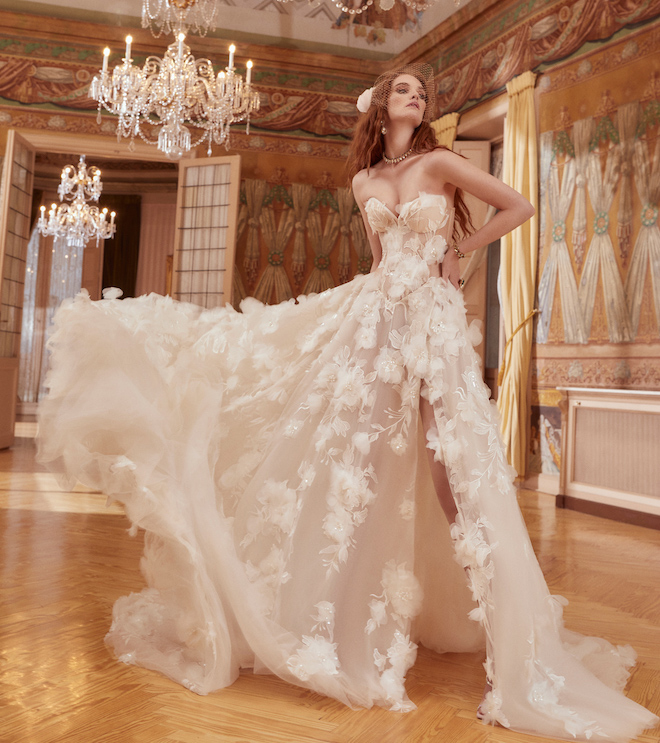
(400, 655)
(318, 656)
(348, 497)
(402, 595)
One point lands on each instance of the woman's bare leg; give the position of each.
(438, 471)
(443, 491)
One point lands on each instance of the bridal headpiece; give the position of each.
(379, 94)
(364, 101)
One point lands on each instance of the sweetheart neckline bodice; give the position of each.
(426, 214)
(400, 207)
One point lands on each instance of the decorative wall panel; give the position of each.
(599, 262)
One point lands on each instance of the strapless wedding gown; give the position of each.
(276, 460)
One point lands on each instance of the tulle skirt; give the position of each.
(276, 460)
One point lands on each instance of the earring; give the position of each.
(383, 130)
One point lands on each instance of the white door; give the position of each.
(205, 242)
(15, 207)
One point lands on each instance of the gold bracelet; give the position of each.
(458, 252)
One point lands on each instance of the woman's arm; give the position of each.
(372, 237)
(513, 209)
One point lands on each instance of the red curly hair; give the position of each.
(367, 147)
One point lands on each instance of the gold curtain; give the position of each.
(519, 253)
(445, 129)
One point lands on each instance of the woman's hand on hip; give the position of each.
(450, 269)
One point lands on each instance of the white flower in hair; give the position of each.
(364, 101)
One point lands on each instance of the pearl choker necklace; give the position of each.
(395, 160)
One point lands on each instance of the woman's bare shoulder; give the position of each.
(442, 157)
(358, 183)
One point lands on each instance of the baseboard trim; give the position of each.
(606, 511)
(543, 483)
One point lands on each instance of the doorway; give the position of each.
(142, 171)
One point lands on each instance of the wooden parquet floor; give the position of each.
(65, 558)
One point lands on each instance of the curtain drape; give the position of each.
(36, 293)
(53, 273)
(445, 129)
(519, 253)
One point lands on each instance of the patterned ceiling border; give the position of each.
(477, 60)
(643, 43)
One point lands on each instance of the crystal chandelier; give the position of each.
(172, 93)
(77, 221)
(357, 7)
(179, 16)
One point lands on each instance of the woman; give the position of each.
(278, 461)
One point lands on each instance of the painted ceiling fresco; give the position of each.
(296, 23)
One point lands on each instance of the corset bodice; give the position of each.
(414, 239)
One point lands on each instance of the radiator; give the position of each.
(611, 447)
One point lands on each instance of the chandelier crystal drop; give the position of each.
(179, 16)
(75, 219)
(173, 94)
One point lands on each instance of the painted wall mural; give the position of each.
(297, 238)
(599, 261)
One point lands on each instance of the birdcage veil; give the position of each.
(379, 94)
